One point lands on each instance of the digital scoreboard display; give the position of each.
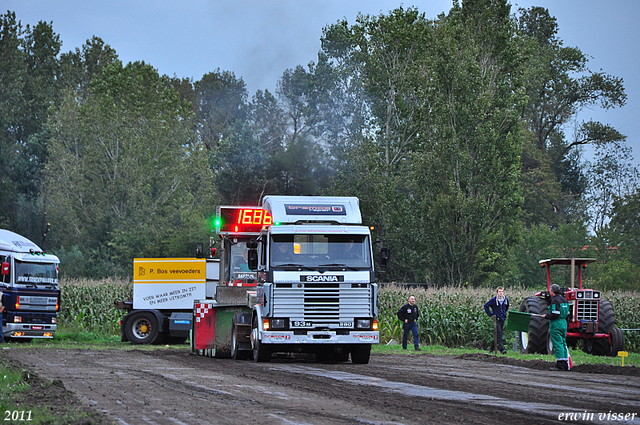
(242, 220)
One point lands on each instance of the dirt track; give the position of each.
(173, 386)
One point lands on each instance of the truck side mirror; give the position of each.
(252, 255)
(385, 254)
(252, 259)
(199, 250)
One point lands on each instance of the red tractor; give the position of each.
(592, 318)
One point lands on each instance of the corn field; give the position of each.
(87, 305)
(452, 317)
(455, 317)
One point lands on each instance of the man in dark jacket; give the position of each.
(557, 316)
(1, 312)
(408, 315)
(498, 307)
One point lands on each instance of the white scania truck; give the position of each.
(29, 282)
(309, 282)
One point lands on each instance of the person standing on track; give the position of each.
(557, 316)
(408, 315)
(1, 320)
(498, 307)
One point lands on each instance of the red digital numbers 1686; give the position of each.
(254, 216)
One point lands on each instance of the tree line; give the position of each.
(459, 135)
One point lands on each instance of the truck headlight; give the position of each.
(54, 320)
(363, 323)
(17, 319)
(277, 323)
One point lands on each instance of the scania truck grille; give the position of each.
(322, 303)
(587, 310)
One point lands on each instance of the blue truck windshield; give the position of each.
(36, 273)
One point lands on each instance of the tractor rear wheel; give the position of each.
(606, 322)
(617, 341)
(535, 341)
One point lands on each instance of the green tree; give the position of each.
(384, 56)
(625, 226)
(378, 65)
(467, 181)
(299, 168)
(612, 176)
(540, 242)
(79, 67)
(239, 163)
(268, 121)
(559, 85)
(13, 73)
(220, 100)
(28, 75)
(127, 175)
(443, 154)
(618, 244)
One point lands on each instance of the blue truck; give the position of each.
(29, 282)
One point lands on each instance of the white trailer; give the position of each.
(164, 290)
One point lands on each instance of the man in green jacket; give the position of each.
(557, 316)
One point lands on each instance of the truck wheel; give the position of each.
(236, 352)
(261, 354)
(617, 341)
(142, 328)
(606, 322)
(535, 341)
(360, 353)
(341, 355)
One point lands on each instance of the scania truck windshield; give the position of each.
(328, 251)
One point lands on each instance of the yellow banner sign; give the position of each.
(159, 270)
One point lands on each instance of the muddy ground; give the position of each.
(173, 386)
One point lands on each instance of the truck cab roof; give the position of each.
(313, 209)
(15, 243)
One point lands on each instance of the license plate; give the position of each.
(37, 328)
(301, 324)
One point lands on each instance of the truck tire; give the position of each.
(236, 352)
(261, 353)
(142, 328)
(360, 353)
(332, 355)
(606, 322)
(534, 341)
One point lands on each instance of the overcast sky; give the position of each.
(258, 40)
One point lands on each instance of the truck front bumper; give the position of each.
(319, 337)
(29, 330)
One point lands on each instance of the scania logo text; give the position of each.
(321, 278)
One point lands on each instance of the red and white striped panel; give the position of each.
(201, 310)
